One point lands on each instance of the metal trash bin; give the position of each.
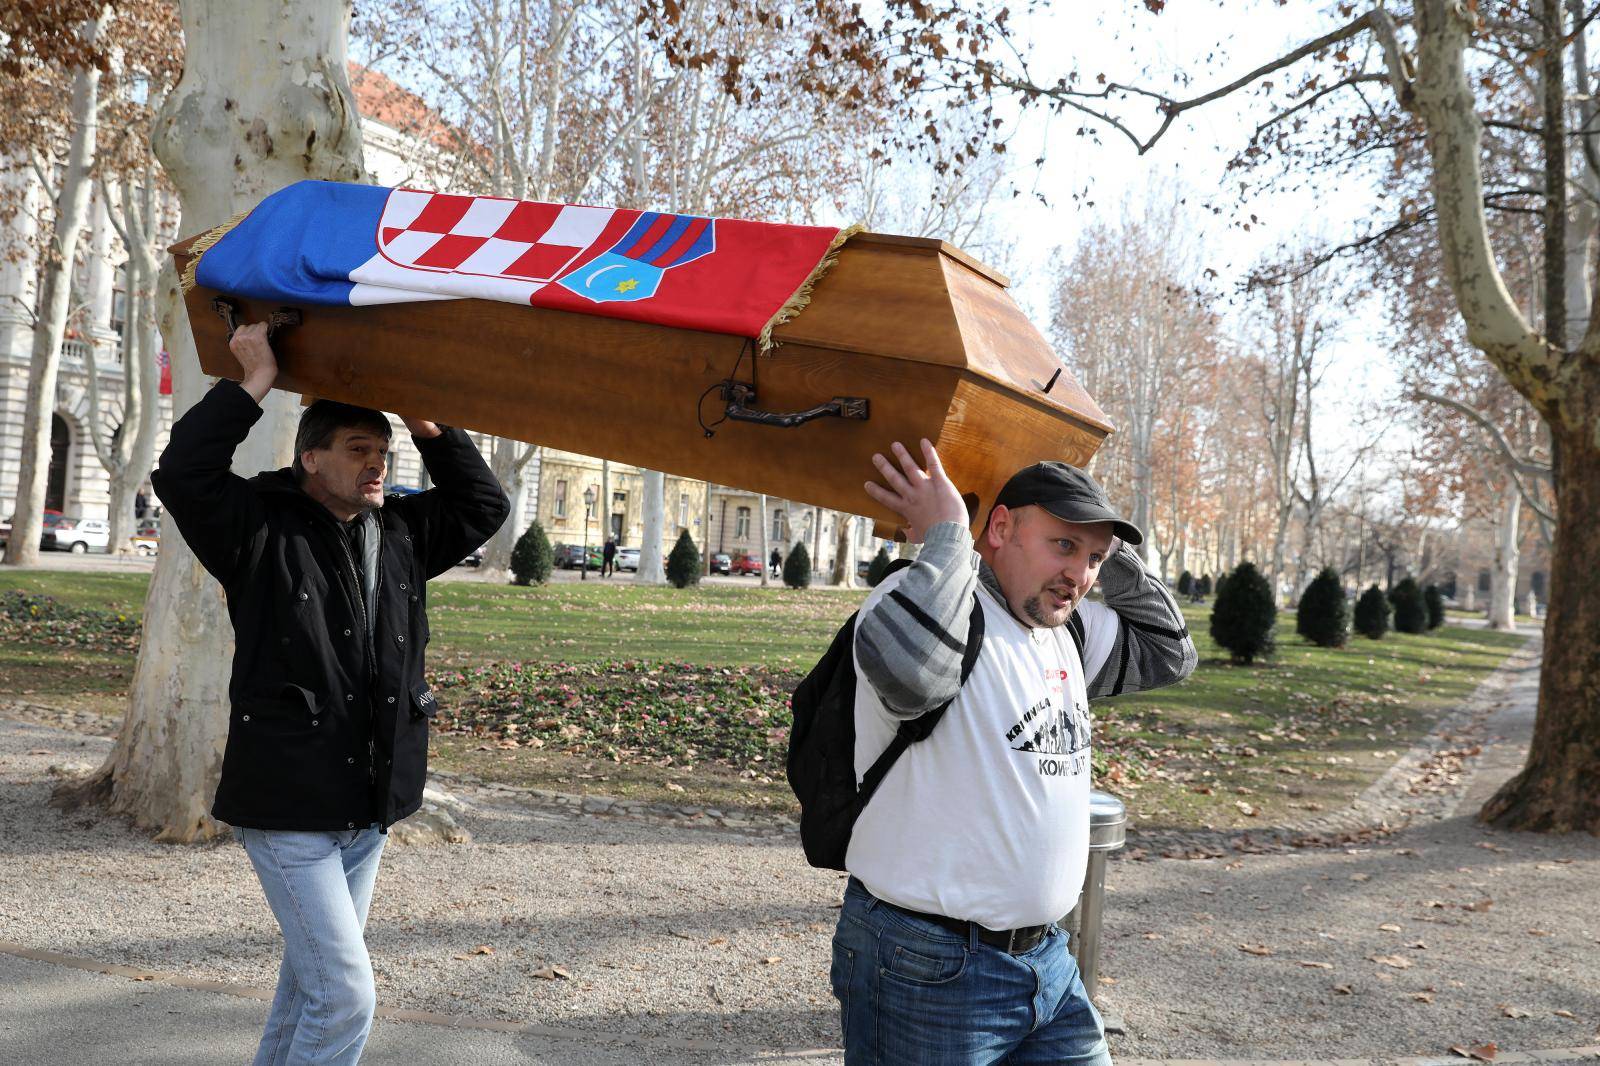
(1108, 824)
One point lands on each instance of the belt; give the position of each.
(1010, 941)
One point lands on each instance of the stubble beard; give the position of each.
(1034, 608)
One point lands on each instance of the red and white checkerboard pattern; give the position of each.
(436, 245)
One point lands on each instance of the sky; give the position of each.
(1123, 42)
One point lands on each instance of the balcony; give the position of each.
(75, 354)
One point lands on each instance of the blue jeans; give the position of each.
(319, 886)
(913, 993)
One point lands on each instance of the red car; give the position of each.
(746, 563)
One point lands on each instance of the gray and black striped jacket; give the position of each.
(909, 645)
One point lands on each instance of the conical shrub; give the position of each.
(1372, 613)
(1186, 584)
(532, 557)
(1433, 596)
(683, 563)
(1410, 609)
(876, 569)
(1243, 617)
(1323, 616)
(797, 568)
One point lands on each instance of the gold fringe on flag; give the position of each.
(199, 245)
(802, 296)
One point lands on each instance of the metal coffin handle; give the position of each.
(228, 311)
(739, 396)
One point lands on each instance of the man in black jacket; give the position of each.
(328, 735)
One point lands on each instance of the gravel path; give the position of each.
(674, 934)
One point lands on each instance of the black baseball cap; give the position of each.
(1068, 493)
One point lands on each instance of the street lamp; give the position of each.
(588, 513)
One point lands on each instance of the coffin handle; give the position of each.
(228, 311)
(739, 396)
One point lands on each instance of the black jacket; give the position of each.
(328, 728)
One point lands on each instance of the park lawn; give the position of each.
(1282, 739)
(1233, 746)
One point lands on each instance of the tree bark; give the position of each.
(1503, 576)
(844, 550)
(72, 208)
(1559, 789)
(651, 572)
(243, 121)
(766, 549)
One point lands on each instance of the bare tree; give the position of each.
(240, 123)
(66, 224)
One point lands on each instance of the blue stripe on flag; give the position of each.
(668, 239)
(299, 244)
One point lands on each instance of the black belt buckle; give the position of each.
(1020, 941)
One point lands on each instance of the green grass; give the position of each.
(473, 622)
(1303, 731)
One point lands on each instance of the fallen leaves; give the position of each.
(481, 949)
(1483, 1052)
(1256, 949)
(1308, 964)
(1514, 1012)
(551, 973)
(1399, 962)
(1389, 927)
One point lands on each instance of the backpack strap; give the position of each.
(918, 728)
(1075, 631)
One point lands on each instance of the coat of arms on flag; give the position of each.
(333, 243)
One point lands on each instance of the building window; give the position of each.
(561, 499)
(741, 523)
(683, 509)
(777, 524)
(119, 300)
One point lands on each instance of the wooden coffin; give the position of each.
(925, 335)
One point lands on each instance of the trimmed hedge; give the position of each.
(797, 568)
(879, 564)
(1410, 609)
(1434, 598)
(1323, 616)
(1243, 617)
(532, 557)
(1372, 613)
(683, 564)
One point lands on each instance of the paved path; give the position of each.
(706, 947)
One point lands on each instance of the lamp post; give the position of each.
(588, 514)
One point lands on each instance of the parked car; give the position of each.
(475, 558)
(627, 559)
(5, 527)
(568, 556)
(746, 563)
(862, 566)
(722, 563)
(75, 535)
(146, 539)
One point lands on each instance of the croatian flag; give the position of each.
(322, 242)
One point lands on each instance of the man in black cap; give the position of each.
(976, 842)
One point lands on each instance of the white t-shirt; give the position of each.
(988, 818)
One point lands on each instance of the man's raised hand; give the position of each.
(249, 345)
(922, 497)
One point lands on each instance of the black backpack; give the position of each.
(822, 742)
